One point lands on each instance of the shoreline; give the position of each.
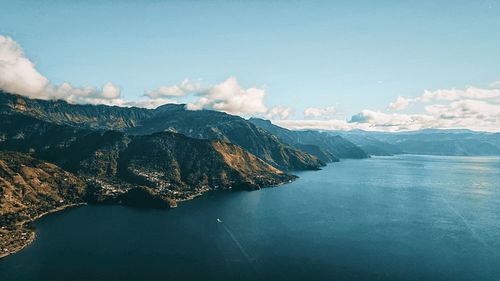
(21, 232)
(24, 234)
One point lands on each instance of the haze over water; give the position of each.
(397, 218)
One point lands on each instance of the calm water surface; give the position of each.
(395, 218)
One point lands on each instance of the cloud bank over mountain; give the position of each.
(19, 75)
(476, 108)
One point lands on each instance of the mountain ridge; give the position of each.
(203, 124)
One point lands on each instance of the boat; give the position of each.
(219, 220)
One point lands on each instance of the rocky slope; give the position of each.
(335, 145)
(30, 188)
(163, 161)
(83, 116)
(204, 124)
(103, 166)
(207, 124)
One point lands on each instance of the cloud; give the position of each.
(455, 94)
(465, 113)
(17, 73)
(333, 124)
(465, 109)
(320, 112)
(278, 112)
(109, 94)
(230, 97)
(472, 107)
(377, 120)
(151, 103)
(495, 84)
(448, 95)
(400, 103)
(471, 114)
(110, 91)
(183, 89)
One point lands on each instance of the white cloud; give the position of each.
(465, 109)
(151, 103)
(183, 89)
(400, 103)
(473, 108)
(17, 73)
(230, 97)
(333, 124)
(110, 91)
(448, 95)
(278, 112)
(455, 94)
(377, 120)
(110, 94)
(495, 84)
(320, 112)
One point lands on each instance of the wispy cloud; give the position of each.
(279, 112)
(185, 87)
(315, 112)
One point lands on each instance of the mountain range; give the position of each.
(54, 154)
(452, 142)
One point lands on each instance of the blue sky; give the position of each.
(354, 55)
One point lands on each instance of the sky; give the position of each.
(374, 65)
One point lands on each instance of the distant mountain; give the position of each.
(369, 144)
(334, 145)
(430, 142)
(203, 124)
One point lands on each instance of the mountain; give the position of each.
(207, 124)
(333, 145)
(368, 143)
(30, 188)
(431, 142)
(203, 124)
(320, 153)
(168, 162)
(76, 115)
(46, 166)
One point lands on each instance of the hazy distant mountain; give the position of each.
(430, 141)
(203, 124)
(369, 144)
(334, 145)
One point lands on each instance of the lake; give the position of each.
(406, 217)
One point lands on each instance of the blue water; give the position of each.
(395, 218)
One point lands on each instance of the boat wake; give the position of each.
(238, 244)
